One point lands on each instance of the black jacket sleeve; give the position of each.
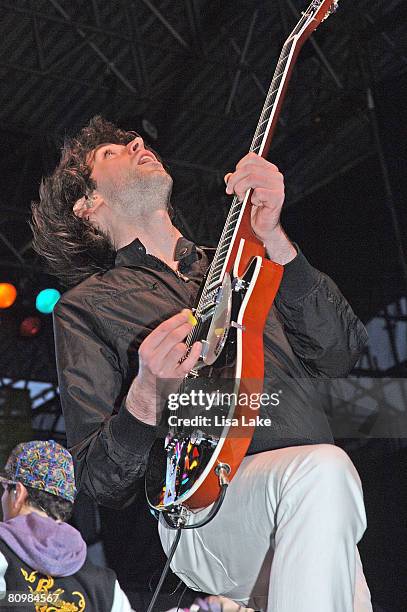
(321, 327)
(110, 447)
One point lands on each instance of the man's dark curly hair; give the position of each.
(73, 248)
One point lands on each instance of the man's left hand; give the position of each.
(267, 182)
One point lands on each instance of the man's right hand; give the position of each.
(161, 358)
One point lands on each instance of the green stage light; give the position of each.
(46, 300)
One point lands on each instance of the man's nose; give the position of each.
(135, 145)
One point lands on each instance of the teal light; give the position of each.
(46, 300)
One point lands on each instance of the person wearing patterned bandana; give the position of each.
(43, 563)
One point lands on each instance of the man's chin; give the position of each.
(163, 178)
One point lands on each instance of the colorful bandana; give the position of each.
(46, 466)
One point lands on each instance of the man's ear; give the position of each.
(19, 496)
(85, 207)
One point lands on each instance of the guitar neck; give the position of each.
(311, 18)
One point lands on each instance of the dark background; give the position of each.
(191, 76)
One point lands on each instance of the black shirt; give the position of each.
(311, 333)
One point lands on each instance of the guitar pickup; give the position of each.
(204, 349)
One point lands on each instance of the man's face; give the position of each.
(129, 177)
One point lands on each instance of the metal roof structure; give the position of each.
(191, 74)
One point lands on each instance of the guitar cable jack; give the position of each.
(222, 471)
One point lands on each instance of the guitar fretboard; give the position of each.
(215, 274)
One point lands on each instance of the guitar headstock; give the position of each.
(316, 13)
(322, 9)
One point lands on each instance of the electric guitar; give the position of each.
(211, 418)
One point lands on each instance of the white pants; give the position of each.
(285, 537)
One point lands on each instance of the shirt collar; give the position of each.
(135, 253)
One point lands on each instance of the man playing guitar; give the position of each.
(285, 538)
